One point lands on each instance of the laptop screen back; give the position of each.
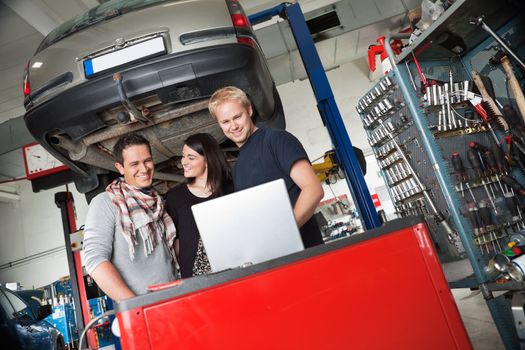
(248, 227)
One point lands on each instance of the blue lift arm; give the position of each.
(327, 107)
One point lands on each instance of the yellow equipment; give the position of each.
(328, 169)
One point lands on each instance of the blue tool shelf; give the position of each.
(428, 145)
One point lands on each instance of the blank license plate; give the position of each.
(132, 53)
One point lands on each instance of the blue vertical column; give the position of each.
(331, 117)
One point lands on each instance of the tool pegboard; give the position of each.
(404, 163)
(447, 126)
(470, 131)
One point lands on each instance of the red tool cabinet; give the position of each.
(383, 289)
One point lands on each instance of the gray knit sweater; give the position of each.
(103, 241)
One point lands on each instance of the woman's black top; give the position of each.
(192, 256)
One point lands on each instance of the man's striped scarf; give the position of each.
(142, 213)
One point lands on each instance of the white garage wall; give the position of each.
(33, 224)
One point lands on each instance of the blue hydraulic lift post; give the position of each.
(327, 107)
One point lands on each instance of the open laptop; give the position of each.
(248, 227)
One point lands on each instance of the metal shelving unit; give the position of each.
(455, 21)
(419, 170)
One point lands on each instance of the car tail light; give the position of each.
(241, 23)
(240, 20)
(247, 41)
(26, 87)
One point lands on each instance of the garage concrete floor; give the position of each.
(473, 309)
(477, 319)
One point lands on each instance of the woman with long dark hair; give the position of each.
(208, 176)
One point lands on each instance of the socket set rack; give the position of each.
(451, 108)
(465, 147)
(442, 98)
(404, 164)
(461, 129)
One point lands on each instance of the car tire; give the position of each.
(277, 120)
(103, 181)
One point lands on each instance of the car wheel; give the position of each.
(277, 120)
(103, 181)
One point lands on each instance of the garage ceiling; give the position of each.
(24, 23)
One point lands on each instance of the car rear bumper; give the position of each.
(174, 78)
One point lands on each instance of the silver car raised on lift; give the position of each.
(146, 67)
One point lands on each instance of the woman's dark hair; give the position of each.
(219, 171)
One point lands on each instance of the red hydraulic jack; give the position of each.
(64, 201)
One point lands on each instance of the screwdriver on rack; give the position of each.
(488, 223)
(513, 205)
(457, 163)
(502, 167)
(515, 185)
(508, 142)
(480, 151)
(476, 165)
(482, 222)
(511, 201)
(473, 211)
(493, 166)
(475, 219)
(500, 159)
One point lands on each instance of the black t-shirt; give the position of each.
(179, 201)
(269, 155)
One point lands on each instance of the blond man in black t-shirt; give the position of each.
(267, 155)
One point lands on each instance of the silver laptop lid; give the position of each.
(248, 227)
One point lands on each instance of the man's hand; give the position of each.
(311, 191)
(111, 282)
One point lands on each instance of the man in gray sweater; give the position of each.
(128, 236)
